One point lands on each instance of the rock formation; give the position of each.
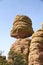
(20, 47)
(22, 29)
(36, 48)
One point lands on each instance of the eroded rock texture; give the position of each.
(19, 51)
(22, 30)
(36, 49)
(22, 27)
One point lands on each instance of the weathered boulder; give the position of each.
(22, 27)
(36, 49)
(20, 48)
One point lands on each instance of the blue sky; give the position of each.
(9, 9)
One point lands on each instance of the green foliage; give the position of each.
(3, 61)
(17, 58)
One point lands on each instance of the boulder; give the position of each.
(22, 27)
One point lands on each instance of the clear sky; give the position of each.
(9, 9)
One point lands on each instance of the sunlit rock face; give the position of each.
(22, 27)
(36, 48)
(20, 47)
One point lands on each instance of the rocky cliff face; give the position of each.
(19, 51)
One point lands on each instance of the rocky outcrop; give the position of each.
(22, 27)
(36, 48)
(21, 46)
(19, 51)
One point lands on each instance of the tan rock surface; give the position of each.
(22, 18)
(22, 27)
(38, 33)
(21, 46)
(36, 49)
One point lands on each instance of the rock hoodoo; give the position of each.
(22, 30)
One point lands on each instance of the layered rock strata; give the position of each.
(22, 27)
(36, 49)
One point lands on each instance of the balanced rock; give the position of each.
(20, 47)
(36, 49)
(22, 27)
